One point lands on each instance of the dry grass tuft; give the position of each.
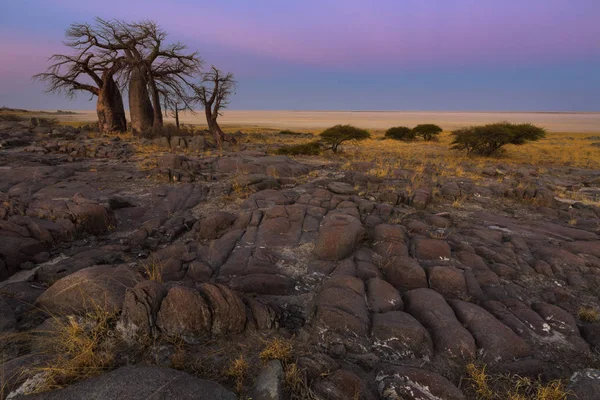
(238, 370)
(277, 349)
(506, 387)
(79, 347)
(479, 380)
(153, 270)
(587, 314)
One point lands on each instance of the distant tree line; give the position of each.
(110, 57)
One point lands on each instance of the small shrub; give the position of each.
(587, 314)
(427, 131)
(336, 135)
(400, 133)
(307, 149)
(291, 133)
(487, 140)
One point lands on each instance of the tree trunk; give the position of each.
(157, 122)
(109, 107)
(140, 107)
(214, 127)
(177, 116)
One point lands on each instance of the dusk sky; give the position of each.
(529, 55)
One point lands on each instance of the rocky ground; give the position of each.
(238, 274)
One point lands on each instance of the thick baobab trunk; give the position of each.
(140, 107)
(109, 107)
(157, 122)
(214, 127)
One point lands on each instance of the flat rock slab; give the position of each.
(140, 383)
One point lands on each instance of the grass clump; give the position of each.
(238, 370)
(153, 270)
(587, 314)
(277, 349)
(79, 347)
(306, 149)
(511, 387)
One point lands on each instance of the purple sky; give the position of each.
(345, 54)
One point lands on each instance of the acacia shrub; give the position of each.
(427, 131)
(336, 135)
(488, 140)
(400, 133)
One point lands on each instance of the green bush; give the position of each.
(487, 140)
(400, 133)
(427, 131)
(338, 134)
(307, 149)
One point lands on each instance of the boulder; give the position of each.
(449, 336)
(448, 281)
(432, 249)
(338, 236)
(405, 273)
(140, 382)
(395, 382)
(397, 335)
(140, 309)
(101, 286)
(498, 342)
(184, 313)
(382, 297)
(269, 383)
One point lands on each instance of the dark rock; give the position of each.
(140, 382)
(184, 313)
(262, 284)
(450, 338)
(140, 309)
(382, 297)
(397, 335)
(338, 237)
(405, 273)
(432, 249)
(269, 383)
(414, 383)
(497, 340)
(85, 290)
(448, 281)
(584, 385)
(213, 226)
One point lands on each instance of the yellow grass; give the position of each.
(78, 347)
(587, 314)
(277, 349)
(506, 387)
(238, 370)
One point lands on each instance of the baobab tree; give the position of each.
(146, 61)
(213, 93)
(71, 74)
